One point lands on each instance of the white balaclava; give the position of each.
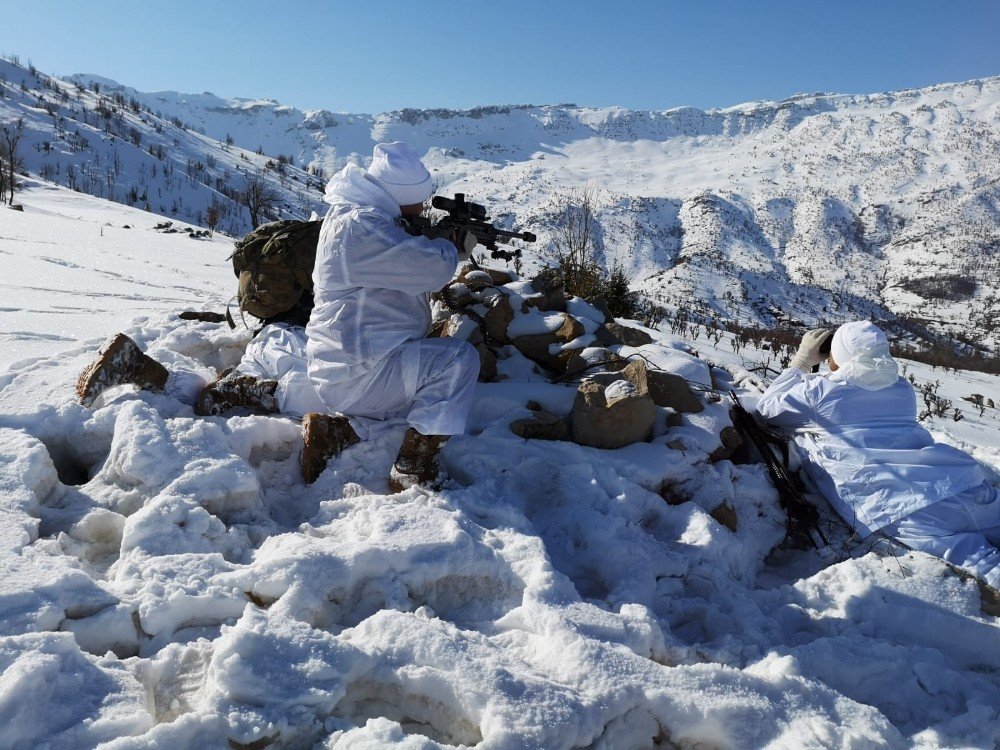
(861, 351)
(397, 169)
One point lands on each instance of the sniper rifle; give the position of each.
(465, 216)
(802, 524)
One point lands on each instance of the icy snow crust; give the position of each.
(169, 582)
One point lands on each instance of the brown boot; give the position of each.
(323, 437)
(120, 361)
(417, 461)
(233, 391)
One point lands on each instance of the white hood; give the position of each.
(352, 187)
(861, 350)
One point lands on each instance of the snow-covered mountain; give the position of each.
(168, 581)
(106, 144)
(814, 208)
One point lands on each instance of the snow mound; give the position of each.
(170, 582)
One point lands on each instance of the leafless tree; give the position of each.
(12, 130)
(212, 215)
(574, 241)
(259, 198)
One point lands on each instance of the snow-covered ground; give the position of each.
(169, 582)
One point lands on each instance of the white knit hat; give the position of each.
(861, 351)
(397, 169)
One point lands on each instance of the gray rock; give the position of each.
(499, 277)
(457, 295)
(613, 415)
(551, 291)
(667, 389)
(731, 441)
(628, 336)
(604, 373)
(498, 318)
(535, 346)
(476, 280)
(673, 493)
(459, 326)
(542, 426)
(487, 364)
(674, 419)
(606, 338)
(601, 305)
(725, 515)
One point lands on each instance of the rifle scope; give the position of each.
(459, 205)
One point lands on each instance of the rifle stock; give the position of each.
(802, 518)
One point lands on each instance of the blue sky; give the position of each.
(378, 55)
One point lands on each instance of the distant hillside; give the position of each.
(811, 209)
(102, 142)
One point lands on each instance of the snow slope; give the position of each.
(75, 266)
(168, 581)
(810, 209)
(107, 145)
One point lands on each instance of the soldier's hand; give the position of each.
(808, 353)
(465, 242)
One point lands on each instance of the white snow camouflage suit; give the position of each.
(363, 353)
(880, 469)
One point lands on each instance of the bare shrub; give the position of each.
(259, 198)
(583, 274)
(10, 161)
(935, 404)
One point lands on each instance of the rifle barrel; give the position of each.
(525, 236)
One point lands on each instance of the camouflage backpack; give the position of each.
(274, 264)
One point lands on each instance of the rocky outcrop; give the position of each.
(567, 338)
(667, 389)
(615, 414)
(547, 348)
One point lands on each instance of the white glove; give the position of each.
(465, 244)
(808, 353)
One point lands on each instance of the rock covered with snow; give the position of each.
(614, 403)
(615, 413)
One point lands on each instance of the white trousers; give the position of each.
(964, 530)
(429, 383)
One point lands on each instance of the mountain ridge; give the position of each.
(807, 210)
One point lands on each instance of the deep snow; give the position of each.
(168, 582)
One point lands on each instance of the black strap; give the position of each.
(802, 516)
